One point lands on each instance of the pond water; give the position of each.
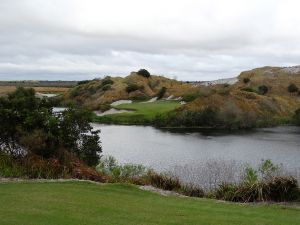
(164, 149)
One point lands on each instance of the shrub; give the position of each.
(192, 190)
(292, 88)
(109, 166)
(263, 89)
(83, 82)
(163, 181)
(107, 80)
(248, 89)
(92, 90)
(297, 117)
(206, 117)
(282, 189)
(132, 87)
(28, 126)
(260, 185)
(144, 73)
(161, 92)
(74, 92)
(246, 80)
(226, 192)
(106, 87)
(190, 97)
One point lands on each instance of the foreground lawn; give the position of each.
(143, 112)
(86, 203)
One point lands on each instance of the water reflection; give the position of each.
(166, 148)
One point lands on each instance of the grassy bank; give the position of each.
(143, 113)
(86, 203)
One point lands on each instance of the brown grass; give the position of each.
(8, 89)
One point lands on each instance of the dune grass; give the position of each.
(143, 113)
(55, 90)
(88, 203)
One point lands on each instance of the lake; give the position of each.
(163, 149)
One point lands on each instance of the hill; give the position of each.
(97, 93)
(259, 97)
(88, 203)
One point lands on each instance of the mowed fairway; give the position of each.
(88, 203)
(142, 113)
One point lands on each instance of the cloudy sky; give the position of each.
(187, 39)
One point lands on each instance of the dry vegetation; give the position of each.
(4, 90)
(242, 103)
(93, 94)
(260, 97)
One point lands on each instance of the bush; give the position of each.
(260, 185)
(28, 126)
(206, 117)
(190, 97)
(110, 167)
(74, 92)
(263, 89)
(297, 117)
(144, 73)
(92, 90)
(83, 82)
(161, 92)
(106, 87)
(281, 189)
(246, 80)
(107, 80)
(132, 87)
(163, 181)
(192, 191)
(292, 88)
(226, 192)
(248, 89)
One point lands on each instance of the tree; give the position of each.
(292, 88)
(161, 92)
(29, 126)
(144, 73)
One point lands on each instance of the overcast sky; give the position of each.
(187, 39)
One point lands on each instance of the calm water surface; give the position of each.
(163, 149)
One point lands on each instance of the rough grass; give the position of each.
(87, 203)
(142, 112)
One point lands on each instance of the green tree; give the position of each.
(144, 73)
(28, 125)
(292, 88)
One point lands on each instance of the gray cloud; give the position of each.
(192, 40)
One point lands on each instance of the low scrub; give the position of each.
(164, 182)
(35, 167)
(116, 172)
(260, 185)
(132, 87)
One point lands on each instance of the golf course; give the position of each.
(76, 202)
(142, 112)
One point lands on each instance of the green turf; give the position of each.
(86, 203)
(143, 113)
